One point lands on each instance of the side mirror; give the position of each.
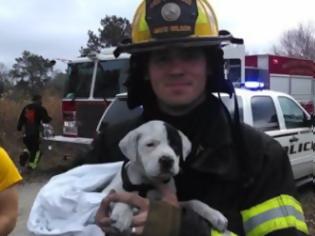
(311, 121)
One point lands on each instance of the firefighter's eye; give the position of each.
(160, 58)
(188, 55)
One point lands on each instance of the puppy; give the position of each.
(154, 150)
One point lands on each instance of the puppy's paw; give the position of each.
(215, 217)
(121, 217)
(219, 221)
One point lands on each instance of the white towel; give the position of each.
(67, 204)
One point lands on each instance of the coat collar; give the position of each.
(215, 152)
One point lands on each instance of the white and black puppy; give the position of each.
(154, 150)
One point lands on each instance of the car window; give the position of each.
(229, 103)
(294, 116)
(264, 113)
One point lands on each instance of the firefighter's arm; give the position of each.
(45, 117)
(8, 209)
(9, 177)
(157, 218)
(271, 206)
(21, 120)
(179, 222)
(154, 218)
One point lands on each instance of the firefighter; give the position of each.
(31, 118)
(176, 63)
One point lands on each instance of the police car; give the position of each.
(277, 114)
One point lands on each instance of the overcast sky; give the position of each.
(58, 28)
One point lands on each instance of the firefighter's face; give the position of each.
(178, 76)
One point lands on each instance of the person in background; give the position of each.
(9, 178)
(30, 120)
(176, 65)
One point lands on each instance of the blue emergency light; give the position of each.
(254, 85)
(254, 78)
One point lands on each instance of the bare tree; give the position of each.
(4, 72)
(298, 42)
(4, 78)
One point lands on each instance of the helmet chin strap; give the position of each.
(178, 110)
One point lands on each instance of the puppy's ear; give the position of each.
(186, 144)
(129, 144)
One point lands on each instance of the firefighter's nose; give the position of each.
(166, 162)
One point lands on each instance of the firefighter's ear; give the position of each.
(129, 144)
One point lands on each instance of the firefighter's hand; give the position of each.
(143, 204)
(102, 216)
(168, 195)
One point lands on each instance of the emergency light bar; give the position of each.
(253, 85)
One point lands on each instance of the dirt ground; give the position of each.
(307, 197)
(27, 193)
(32, 184)
(51, 164)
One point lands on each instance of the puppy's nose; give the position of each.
(166, 162)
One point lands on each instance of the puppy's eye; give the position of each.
(151, 144)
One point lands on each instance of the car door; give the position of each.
(297, 137)
(283, 119)
(264, 113)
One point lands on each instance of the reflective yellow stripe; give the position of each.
(202, 15)
(217, 233)
(277, 224)
(282, 200)
(34, 164)
(277, 213)
(140, 28)
(143, 26)
(206, 23)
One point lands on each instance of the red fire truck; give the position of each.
(284, 74)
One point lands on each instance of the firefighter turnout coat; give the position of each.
(242, 172)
